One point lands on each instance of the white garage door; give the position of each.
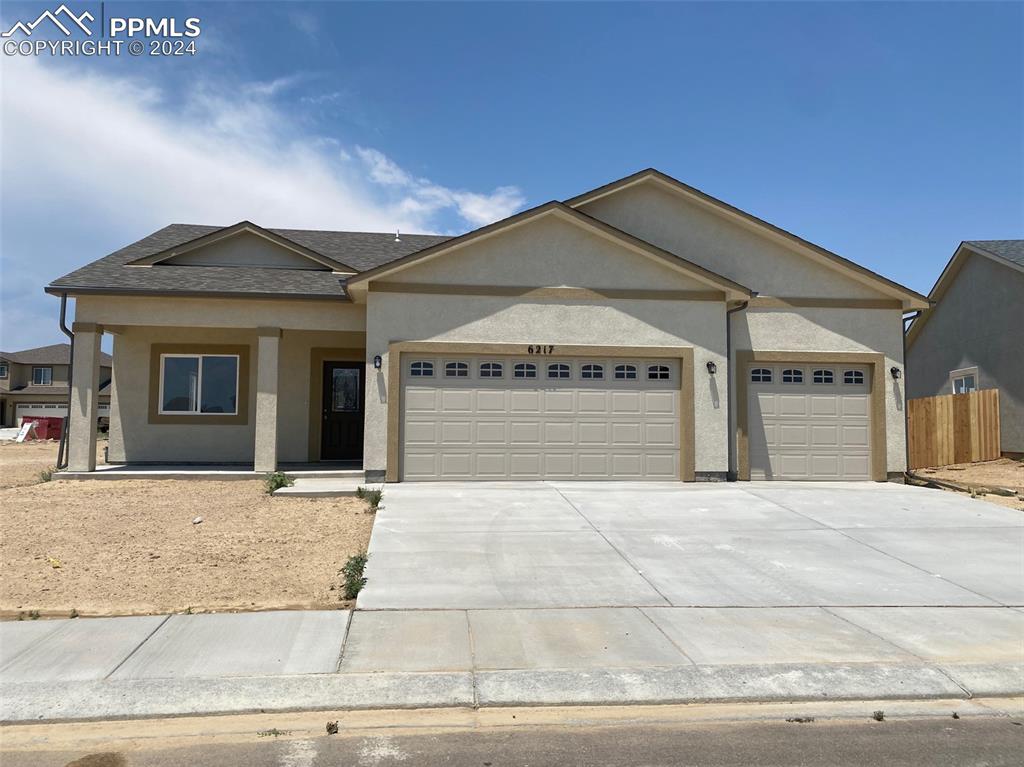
(49, 410)
(539, 418)
(809, 421)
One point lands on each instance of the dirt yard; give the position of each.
(1004, 473)
(105, 547)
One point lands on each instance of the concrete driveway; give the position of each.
(570, 545)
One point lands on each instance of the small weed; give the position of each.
(47, 474)
(278, 480)
(352, 574)
(73, 613)
(372, 497)
(273, 732)
(188, 610)
(33, 615)
(878, 716)
(801, 719)
(956, 715)
(21, 616)
(332, 728)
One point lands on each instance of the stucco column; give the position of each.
(265, 458)
(85, 391)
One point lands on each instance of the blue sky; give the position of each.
(884, 132)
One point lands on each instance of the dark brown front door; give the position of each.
(342, 427)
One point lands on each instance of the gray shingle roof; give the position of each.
(360, 250)
(1009, 250)
(54, 354)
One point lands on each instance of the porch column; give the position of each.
(85, 391)
(265, 458)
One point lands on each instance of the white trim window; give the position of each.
(456, 370)
(592, 372)
(492, 370)
(559, 370)
(853, 377)
(42, 376)
(524, 370)
(199, 384)
(4, 370)
(823, 377)
(658, 372)
(421, 369)
(761, 375)
(625, 372)
(792, 376)
(964, 381)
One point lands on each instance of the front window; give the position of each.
(491, 370)
(625, 372)
(558, 370)
(657, 372)
(592, 372)
(524, 370)
(199, 383)
(456, 369)
(964, 384)
(3, 370)
(823, 377)
(42, 376)
(792, 376)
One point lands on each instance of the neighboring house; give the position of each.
(585, 339)
(973, 336)
(34, 382)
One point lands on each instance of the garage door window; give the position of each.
(199, 384)
(853, 377)
(823, 377)
(491, 370)
(422, 370)
(456, 370)
(592, 372)
(761, 375)
(625, 372)
(657, 372)
(792, 376)
(524, 370)
(559, 370)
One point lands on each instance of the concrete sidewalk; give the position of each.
(106, 668)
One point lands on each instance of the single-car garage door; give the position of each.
(49, 410)
(809, 421)
(539, 418)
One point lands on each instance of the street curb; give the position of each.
(777, 683)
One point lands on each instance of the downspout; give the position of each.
(732, 472)
(907, 319)
(62, 458)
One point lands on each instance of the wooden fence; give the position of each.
(953, 428)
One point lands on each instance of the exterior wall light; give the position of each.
(712, 368)
(378, 361)
(895, 373)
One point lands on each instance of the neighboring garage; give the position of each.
(48, 410)
(543, 417)
(809, 421)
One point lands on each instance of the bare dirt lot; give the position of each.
(21, 464)
(1004, 473)
(106, 547)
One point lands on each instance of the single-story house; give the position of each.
(641, 330)
(973, 336)
(34, 382)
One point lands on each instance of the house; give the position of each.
(973, 336)
(34, 382)
(641, 330)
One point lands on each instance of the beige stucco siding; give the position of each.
(835, 330)
(668, 220)
(220, 312)
(486, 319)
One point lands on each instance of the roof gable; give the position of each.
(575, 219)
(54, 354)
(852, 271)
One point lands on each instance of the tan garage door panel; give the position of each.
(508, 418)
(809, 421)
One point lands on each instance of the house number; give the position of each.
(546, 349)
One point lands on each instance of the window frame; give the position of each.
(797, 374)
(199, 385)
(567, 370)
(961, 374)
(823, 373)
(5, 370)
(49, 381)
(847, 374)
(761, 373)
(626, 368)
(525, 367)
(465, 368)
(658, 372)
(589, 369)
(490, 370)
(415, 372)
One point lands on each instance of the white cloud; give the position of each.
(93, 162)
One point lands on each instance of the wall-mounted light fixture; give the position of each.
(895, 373)
(712, 367)
(378, 361)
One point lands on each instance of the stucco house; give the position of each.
(973, 336)
(641, 330)
(34, 382)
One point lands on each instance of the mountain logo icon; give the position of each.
(62, 18)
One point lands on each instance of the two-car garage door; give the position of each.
(541, 417)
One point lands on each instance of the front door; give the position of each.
(342, 426)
